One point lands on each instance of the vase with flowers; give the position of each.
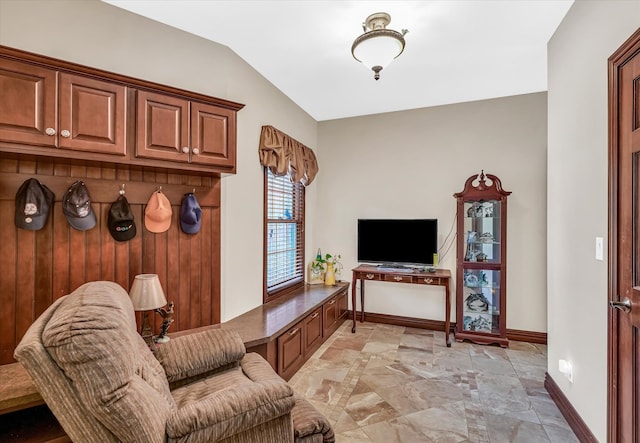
(325, 269)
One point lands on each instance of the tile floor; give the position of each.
(396, 384)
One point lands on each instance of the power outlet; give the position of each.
(566, 368)
(599, 248)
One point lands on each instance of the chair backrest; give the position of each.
(94, 370)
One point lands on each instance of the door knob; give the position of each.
(624, 305)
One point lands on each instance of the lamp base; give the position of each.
(146, 332)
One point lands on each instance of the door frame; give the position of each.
(623, 54)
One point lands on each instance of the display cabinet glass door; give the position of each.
(481, 301)
(482, 227)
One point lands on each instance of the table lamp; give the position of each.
(147, 295)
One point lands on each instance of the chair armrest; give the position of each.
(199, 353)
(307, 421)
(231, 410)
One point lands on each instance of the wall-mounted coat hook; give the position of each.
(193, 191)
(121, 189)
(160, 189)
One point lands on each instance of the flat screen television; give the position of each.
(398, 242)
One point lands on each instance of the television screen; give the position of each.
(398, 241)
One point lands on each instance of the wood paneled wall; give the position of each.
(37, 267)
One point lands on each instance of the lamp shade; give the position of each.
(146, 293)
(378, 48)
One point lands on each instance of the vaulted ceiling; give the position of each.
(456, 50)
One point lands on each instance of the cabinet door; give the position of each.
(481, 307)
(330, 310)
(482, 228)
(213, 135)
(92, 115)
(27, 103)
(313, 331)
(162, 127)
(343, 305)
(290, 351)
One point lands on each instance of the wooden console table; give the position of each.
(441, 277)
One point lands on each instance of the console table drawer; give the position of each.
(426, 280)
(369, 276)
(397, 278)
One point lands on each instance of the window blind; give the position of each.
(284, 236)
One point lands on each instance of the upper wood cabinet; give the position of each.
(42, 106)
(92, 115)
(27, 103)
(176, 129)
(54, 108)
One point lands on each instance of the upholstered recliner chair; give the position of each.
(103, 383)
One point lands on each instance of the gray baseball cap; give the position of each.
(76, 206)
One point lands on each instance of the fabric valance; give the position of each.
(283, 154)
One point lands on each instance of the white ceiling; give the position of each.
(456, 50)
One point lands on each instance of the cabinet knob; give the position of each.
(195, 151)
(185, 149)
(65, 133)
(50, 131)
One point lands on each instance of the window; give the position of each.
(284, 235)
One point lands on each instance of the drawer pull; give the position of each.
(397, 278)
(315, 315)
(428, 280)
(370, 276)
(332, 301)
(295, 331)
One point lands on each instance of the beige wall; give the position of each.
(404, 164)
(103, 36)
(409, 164)
(577, 198)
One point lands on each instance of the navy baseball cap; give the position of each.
(190, 214)
(76, 206)
(33, 203)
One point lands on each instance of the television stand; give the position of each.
(440, 277)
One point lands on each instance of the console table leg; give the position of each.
(353, 302)
(362, 301)
(447, 319)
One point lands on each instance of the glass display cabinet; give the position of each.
(481, 275)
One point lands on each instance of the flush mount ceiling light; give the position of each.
(378, 46)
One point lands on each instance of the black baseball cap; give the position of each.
(190, 214)
(76, 206)
(33, 203)
(120, 221)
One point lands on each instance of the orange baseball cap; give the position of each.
(157, 214)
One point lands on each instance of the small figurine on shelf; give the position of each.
(316, 270)
(167, 319)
